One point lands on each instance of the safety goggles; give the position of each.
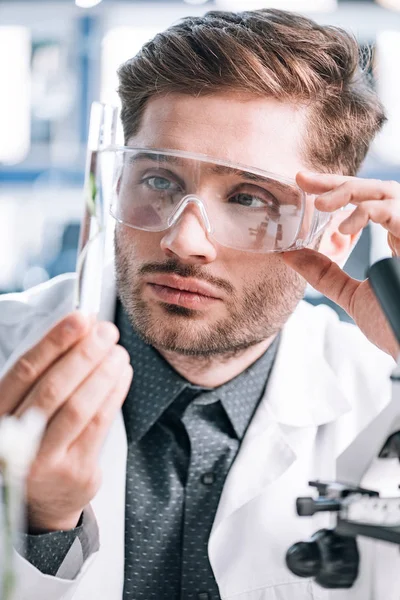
(238, 206)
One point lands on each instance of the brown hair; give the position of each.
(267, 53)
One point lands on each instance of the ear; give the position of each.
(338, 246)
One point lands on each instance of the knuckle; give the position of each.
(363, 209)
(74, 322)
(48, 394)
(349, 186)
(56, 337)
(25, 369)
(70, 327)
(325, 274)
(93, 482)
(67, 471)
(88, 351)
(101, 418)
(73, 413)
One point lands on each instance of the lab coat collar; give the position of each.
(302, 393)
(303, 389)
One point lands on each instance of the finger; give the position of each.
(319, 183)
(356, 193)
(335, 191)
(91, 440)
(324, 275)
(73, 417)
(66, 375)
(385, 213)
(23, 375)
(394, 244)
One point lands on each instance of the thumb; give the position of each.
(324, 275)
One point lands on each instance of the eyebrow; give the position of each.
(216, 169)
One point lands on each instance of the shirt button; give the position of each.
(203, 596)
(207, 479)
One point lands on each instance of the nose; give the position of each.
(187, 238)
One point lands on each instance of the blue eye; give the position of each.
(161, 184)
(247, 200)
(252, 201)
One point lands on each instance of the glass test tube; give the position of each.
(90, 262)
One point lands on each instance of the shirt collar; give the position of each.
(156, 385)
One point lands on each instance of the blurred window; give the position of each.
(387, 74)
(15, 54)
(118, 45)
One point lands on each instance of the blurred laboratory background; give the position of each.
(58, 56)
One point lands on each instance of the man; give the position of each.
(241, 393)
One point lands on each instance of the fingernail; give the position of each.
(72, 324)
(107, 332)
(117, 355)
(127, 373)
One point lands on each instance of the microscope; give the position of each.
(331, 556)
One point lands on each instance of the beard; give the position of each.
(258, 314)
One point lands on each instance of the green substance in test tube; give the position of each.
(91, 196)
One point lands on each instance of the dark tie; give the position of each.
(176, 475)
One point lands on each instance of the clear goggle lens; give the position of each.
(243, 208)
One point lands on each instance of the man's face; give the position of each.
(234, 299)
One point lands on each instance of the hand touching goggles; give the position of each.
(239, 207)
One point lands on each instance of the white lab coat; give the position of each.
(327, 385)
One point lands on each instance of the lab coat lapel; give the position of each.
(302, 393)
(109, 508)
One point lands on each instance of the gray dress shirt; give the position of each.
(182, 441)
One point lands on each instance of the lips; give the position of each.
(191, 286)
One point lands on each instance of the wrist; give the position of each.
(38, 526)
